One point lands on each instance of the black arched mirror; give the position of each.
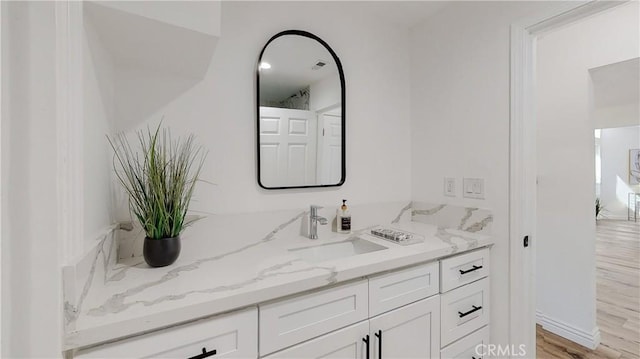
(301, 113)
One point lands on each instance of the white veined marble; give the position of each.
(468, 219)
(234, 261)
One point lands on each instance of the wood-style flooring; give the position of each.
(617, 298)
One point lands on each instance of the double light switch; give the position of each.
(473, 188)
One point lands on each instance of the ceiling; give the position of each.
(400, 13)
(292, 59)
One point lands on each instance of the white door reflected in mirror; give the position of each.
(300, 113)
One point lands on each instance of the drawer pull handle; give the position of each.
(366, 340)
(475, 309)
(379, 335)
(473, 269)
(205, 354)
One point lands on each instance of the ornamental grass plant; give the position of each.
(159, 175)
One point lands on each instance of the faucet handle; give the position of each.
(315, 206)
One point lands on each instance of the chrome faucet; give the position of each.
(313, 222)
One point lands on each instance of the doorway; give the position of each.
(524, 185)
(330, 145)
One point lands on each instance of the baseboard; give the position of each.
(619, 217)
(567, 331)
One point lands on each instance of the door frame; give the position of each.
(522, 161)
(2, 187)
(320, 137)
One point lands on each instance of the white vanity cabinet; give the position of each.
(412, 331)
(433, 310)
(228, 336)
(395, 314)
(465, 308)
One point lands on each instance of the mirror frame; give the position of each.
(342, 99)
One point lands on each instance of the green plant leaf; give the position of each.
(159, 177)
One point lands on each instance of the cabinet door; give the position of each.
(345, 343)
(412, 331)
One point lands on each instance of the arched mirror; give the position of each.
(301, 113)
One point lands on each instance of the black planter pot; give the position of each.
(161, 252)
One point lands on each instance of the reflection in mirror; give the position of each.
(300, 113)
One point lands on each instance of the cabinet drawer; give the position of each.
(471, 346)
(345, 343)
(464, 310)
(466, 268)
(232, 336)
(294, 320)
(393, 290)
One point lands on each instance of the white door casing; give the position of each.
(69, 124)
(330, 148)
(2, 197)
(522, 196)
(522, 176)
(287, 147)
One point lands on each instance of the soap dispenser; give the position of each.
(343, 218)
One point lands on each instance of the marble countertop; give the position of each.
(220, 271)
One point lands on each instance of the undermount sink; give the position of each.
(329, 251)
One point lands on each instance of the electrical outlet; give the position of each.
(473, 188)
(449, 187)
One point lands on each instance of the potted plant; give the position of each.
(599, 208)
(159, 178)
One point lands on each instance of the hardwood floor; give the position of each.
(617, 298)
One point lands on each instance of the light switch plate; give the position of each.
(473, 188)
(449, 186)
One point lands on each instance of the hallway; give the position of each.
(618, 297)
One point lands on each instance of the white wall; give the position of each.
(623, 115)
(31, 274)
(325, 93)
(616, 94)
(197, 16)
(221, 108)
(460, 118)
(615, 144)
(566, 215)
(98, 108)
(4, 278)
